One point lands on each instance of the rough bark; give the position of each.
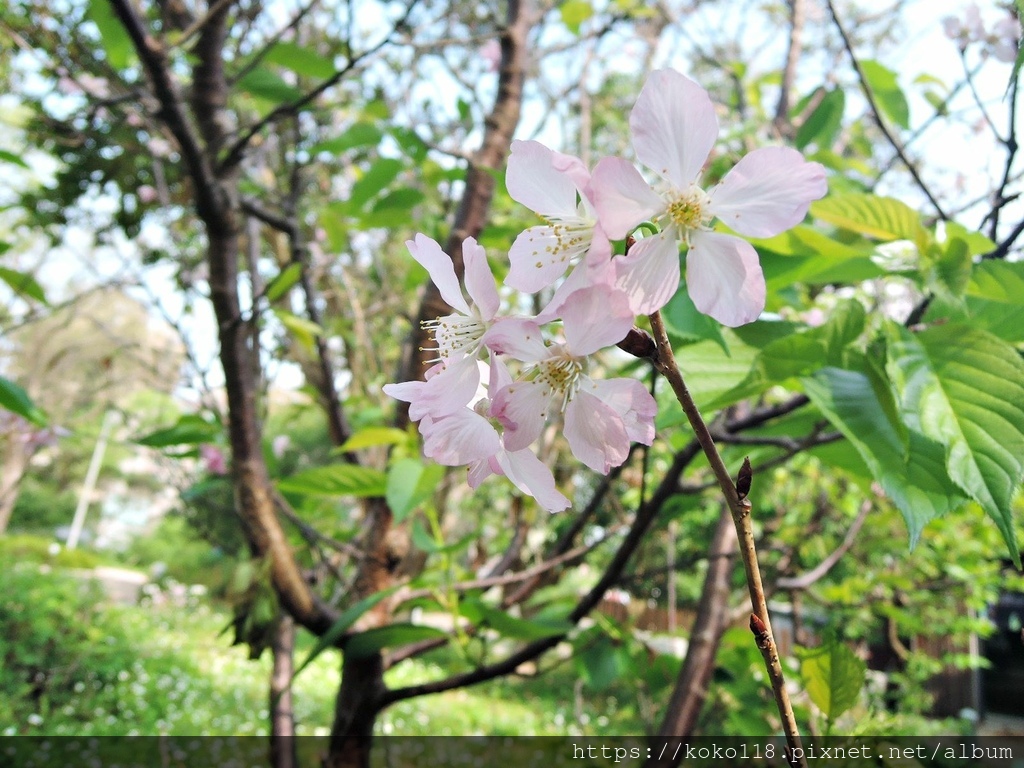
(282, 713)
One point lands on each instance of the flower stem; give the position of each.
(760, 623)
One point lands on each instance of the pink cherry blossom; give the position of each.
(674, 128)
(469, 436)
(555, 186)
(601, 418)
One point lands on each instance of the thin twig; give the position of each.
(740, 509)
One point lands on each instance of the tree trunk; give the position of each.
(282, 715)
(356, 708)
(712, 615)
(15, 461)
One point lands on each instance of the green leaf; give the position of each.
(336, 480)
(833, 676)
(821, 125)
(601, 663)
(191, 429)
(342, 625)
(16, 400)
(116, 43)
(10, 157)
(302, 61)
(378, 176)
(263, 83)
(373, 640)
(371, 436)
(285, 279)
(519, 629)
(886, 90)
(688, 324)
(574, 13)
(909, 466)
(410, 483)
(427, 543)
(403, 199)
(965, 389)
(23, 283)
(953, 268)
(356, 135)
(305, 331)
(995, 298)
(882, 218)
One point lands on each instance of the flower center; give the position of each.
(456, 334)
(562, 374)
(568, 237)
(688, 209)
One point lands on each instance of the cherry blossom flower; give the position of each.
(601, 417)
(469, 436)
(548, 183)
(768, 191)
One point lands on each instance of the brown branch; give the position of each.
(797, 16)
(805, 580)
(740, 508)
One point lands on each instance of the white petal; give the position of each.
(649, 273)
(441, 270)
(630, 399)
(453, 388)
(768, 191)
(459, 438)
(724, 278)
(674, 127)
(542, 179)
(517, 337)
(479, 280)
(532, 476)
(538, 259)
(595, 317)
(522, 408)
(621, 197)
(596, 434)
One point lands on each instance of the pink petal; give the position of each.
(498, 376)
(596, 434)
(649, 273)
(768, 191)
(538, 259)
(542, 179)
(522, 408)
(595, 317)
(441, 270)
(459, 438)
(581, 277)
(630, 399)
(453, 388)
(481, 470)
(724, 278)
(516, 337)
(532, 476)
(674, 127)
(621, 197)
(479, 280)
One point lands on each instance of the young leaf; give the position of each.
(822, 124)
(16, 400)
(265, 84)
(965, 389)
(190, 429)
(356, 135)
(882, 218)
(833, 676)
(370, 436)
(410, 483)
(995, 299)
(379, 175)
(888, 95)
(116, 43)
(285, 279)
(302, 61)
(521, 629)
(336, 480)
(23, 283)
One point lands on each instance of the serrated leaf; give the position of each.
(356, 135)
(191, 429)
(410, 483)
(265, 84)
(833, 677)
(965, 389)
(302, 61)
(336, 480)
(371, 436)
(374, 640)
(285, 279)
(116, 42)
(995, 299)
(882, 218)
(342, 625)
(953, 268)
(909, 466)
(821, 125)
(23, 283)
(16, 400)
(888, 95)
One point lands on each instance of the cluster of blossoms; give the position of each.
(1001, 39)
(472, 411)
